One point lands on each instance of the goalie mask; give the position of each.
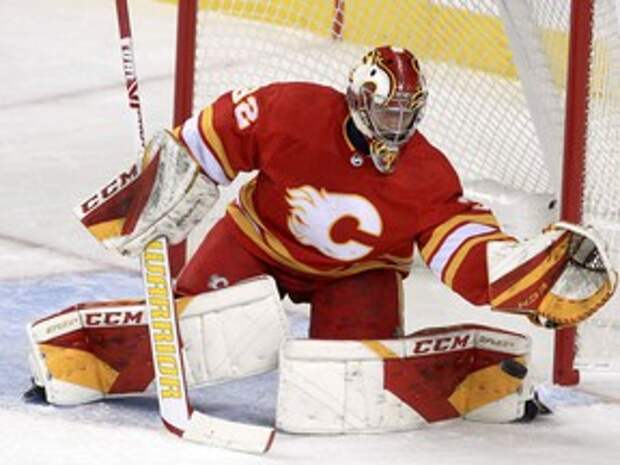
(386, 97)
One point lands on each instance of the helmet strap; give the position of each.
(358, 139)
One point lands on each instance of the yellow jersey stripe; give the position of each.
(459, 257)
(440, 233)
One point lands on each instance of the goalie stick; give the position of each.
(175, 409)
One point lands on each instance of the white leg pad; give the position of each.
(226, 334)
(337, 387)
(233, 332)
(380, 386)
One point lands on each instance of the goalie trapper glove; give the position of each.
(557, 279)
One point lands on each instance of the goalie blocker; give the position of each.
(168, 197)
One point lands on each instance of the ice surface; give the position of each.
(64, 131)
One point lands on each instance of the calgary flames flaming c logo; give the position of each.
(314, 213)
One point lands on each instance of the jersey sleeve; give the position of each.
(223, 136)
(453, 236)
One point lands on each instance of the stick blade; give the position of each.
(213, 431)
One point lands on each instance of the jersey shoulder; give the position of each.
(296, 102)
(430, 166)
(288, 92)
(434, 184)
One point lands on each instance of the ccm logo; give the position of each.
(114, 318)
(441, 344)
(117, 184)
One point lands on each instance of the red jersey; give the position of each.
(317, 206)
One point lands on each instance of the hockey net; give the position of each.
(497, 77)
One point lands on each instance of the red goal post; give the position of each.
(531, 103)
(581, 22)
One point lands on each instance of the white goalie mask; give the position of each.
(386, 97)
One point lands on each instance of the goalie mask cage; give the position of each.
(524, 93)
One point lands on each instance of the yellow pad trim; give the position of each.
(181, 304)
(380, 349)
(107, 229)
(557, 254)
(78, 367)
(570, 312)
(483, 387)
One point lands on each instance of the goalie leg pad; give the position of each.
(99, 350)
(398, 384)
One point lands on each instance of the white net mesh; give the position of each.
(496, 105)
(252, 43)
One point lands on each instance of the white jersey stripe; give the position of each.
(192, 138)
(453, 242)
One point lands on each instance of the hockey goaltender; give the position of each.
(346, 186)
